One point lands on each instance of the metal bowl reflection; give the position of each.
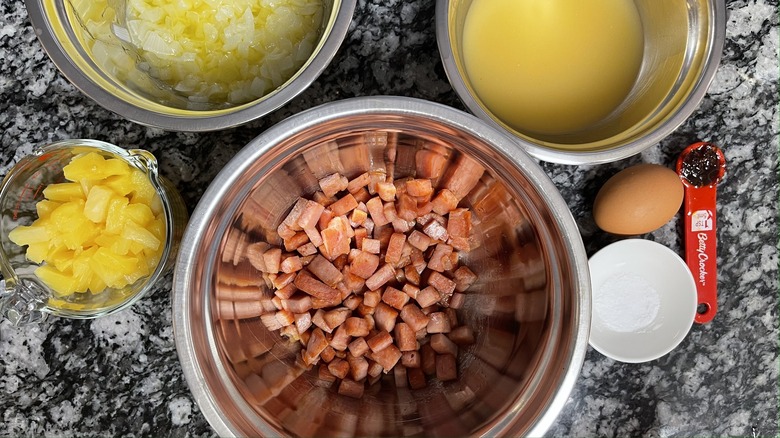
(530, 308)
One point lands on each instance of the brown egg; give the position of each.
(638, 200)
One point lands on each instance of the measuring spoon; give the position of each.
(701, 167)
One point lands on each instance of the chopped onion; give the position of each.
(220, 51)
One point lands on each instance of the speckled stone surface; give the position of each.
(120, 376)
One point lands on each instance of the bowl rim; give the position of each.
(191, 121)
(207, 209)
(715, 42)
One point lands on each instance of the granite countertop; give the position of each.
(120, 375)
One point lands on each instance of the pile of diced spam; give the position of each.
(369, 279)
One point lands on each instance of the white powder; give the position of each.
(626, 302)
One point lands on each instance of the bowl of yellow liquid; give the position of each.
(581, 81)
(191, 65)
(87, 229)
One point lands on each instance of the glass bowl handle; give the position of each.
(22, 303)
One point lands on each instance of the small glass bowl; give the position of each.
(27, 299)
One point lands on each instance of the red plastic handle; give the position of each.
(698, 163)
(701, 248)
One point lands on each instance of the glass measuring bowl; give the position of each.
(25, 298)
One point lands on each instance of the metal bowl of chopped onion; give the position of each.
(458, 304)
(191, 65)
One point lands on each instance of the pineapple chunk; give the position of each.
(138, 234)
(61, 258)
(97, 285)
(37, 252)
(83, 166)
(63, 217)
(121, 184)
(115, 166)
(44, 207)
(144, 192)
(63, 192)
(141, 214)
(61, 283)
(157, 227)
(94, 167)
(27, 235)
(96, 207)
(117, 244)
(74, 229)
(86, 185)
(136, 248)
(116, 217)
(112, 268)
(139, 271)
(156, 205)
(82, 271)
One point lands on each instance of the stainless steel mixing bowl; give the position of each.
(530, 308)
(114, 79)
(683, 41)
